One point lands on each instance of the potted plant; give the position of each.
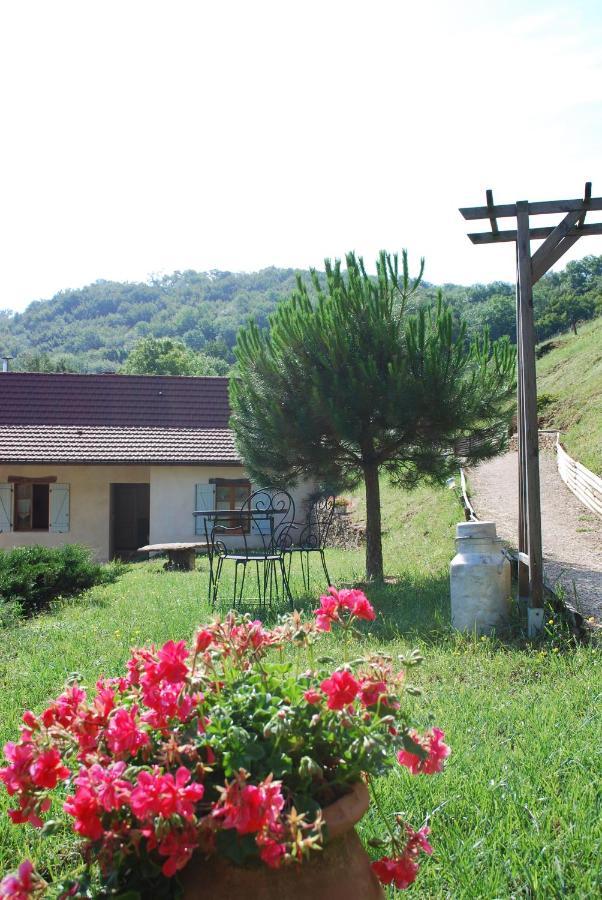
(227, 767)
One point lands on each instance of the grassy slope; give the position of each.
(572, 375)
(517, 813)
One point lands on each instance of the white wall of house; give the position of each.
(173, 499)
(89, 504)
(173, 496)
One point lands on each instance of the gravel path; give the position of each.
(572, 535)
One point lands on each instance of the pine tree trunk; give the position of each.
(374, 547)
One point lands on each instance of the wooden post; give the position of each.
(523, 569)
(529, 399)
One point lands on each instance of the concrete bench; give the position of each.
(180, 556)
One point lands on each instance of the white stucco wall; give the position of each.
(172, 502)
(89, 501)
(172, 499)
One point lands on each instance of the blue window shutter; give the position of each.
(6, 507)
(59, 508)
(204, 499)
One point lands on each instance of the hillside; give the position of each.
(94, 328)
(569, 380)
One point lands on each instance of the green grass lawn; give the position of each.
(518, 811)
(571, 375)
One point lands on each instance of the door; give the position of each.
(130, 516)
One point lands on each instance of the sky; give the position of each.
(141, 137)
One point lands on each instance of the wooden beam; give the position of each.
(540, 260)
(541, 263)
(559, 250)
(508, 210)
(535, 234)
(531, 439)
(492, 219)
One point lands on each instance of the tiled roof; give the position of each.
(103, 445)
(107, 419)
(156, 401)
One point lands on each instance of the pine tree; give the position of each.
(347, 382)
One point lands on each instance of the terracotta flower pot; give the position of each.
(341, 871)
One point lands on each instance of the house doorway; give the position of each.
(130, 517)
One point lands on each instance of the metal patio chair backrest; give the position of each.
(319, 521)
(218, 545)
(271, 515)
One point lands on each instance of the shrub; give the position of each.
(32, 577)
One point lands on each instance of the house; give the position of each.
(114, 461)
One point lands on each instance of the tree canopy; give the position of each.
(347, 382)
(164, 356)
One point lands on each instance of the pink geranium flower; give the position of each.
(204, 638)
(164, 795)
(22, 886)
(48, 769)
(328, 612)
(371, 692)
(123, 734)
(249, 808)
(271, 851)
(362, 608)
(400, 871)
(172, 662)
(352, 600)
(341, 689)
(312, 696)
(178, 847)
(85, 808)
(437, 753)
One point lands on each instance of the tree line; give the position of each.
(187, 322)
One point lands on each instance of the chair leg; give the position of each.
(211, 578)
(242, 583)
(272, 571)
(216, 578)
(259, 594)
(285, 585)
(235, 583)
(324, 566)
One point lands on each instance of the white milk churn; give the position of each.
(480, 579)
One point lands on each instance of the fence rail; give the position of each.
(586, 486)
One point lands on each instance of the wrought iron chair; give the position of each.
(312, 536)
(265, 520)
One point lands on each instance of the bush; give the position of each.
(31, 577)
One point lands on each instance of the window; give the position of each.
(232, 495)
(32, 507)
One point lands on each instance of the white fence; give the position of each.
(586, 486)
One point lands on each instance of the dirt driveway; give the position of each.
(572, 535)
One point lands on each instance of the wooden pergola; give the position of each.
(529, 269)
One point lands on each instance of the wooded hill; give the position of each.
(95, 327)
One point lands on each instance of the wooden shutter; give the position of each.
(204, 499)
(6, 507)
(59, 508)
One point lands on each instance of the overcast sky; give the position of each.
(139, 137)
